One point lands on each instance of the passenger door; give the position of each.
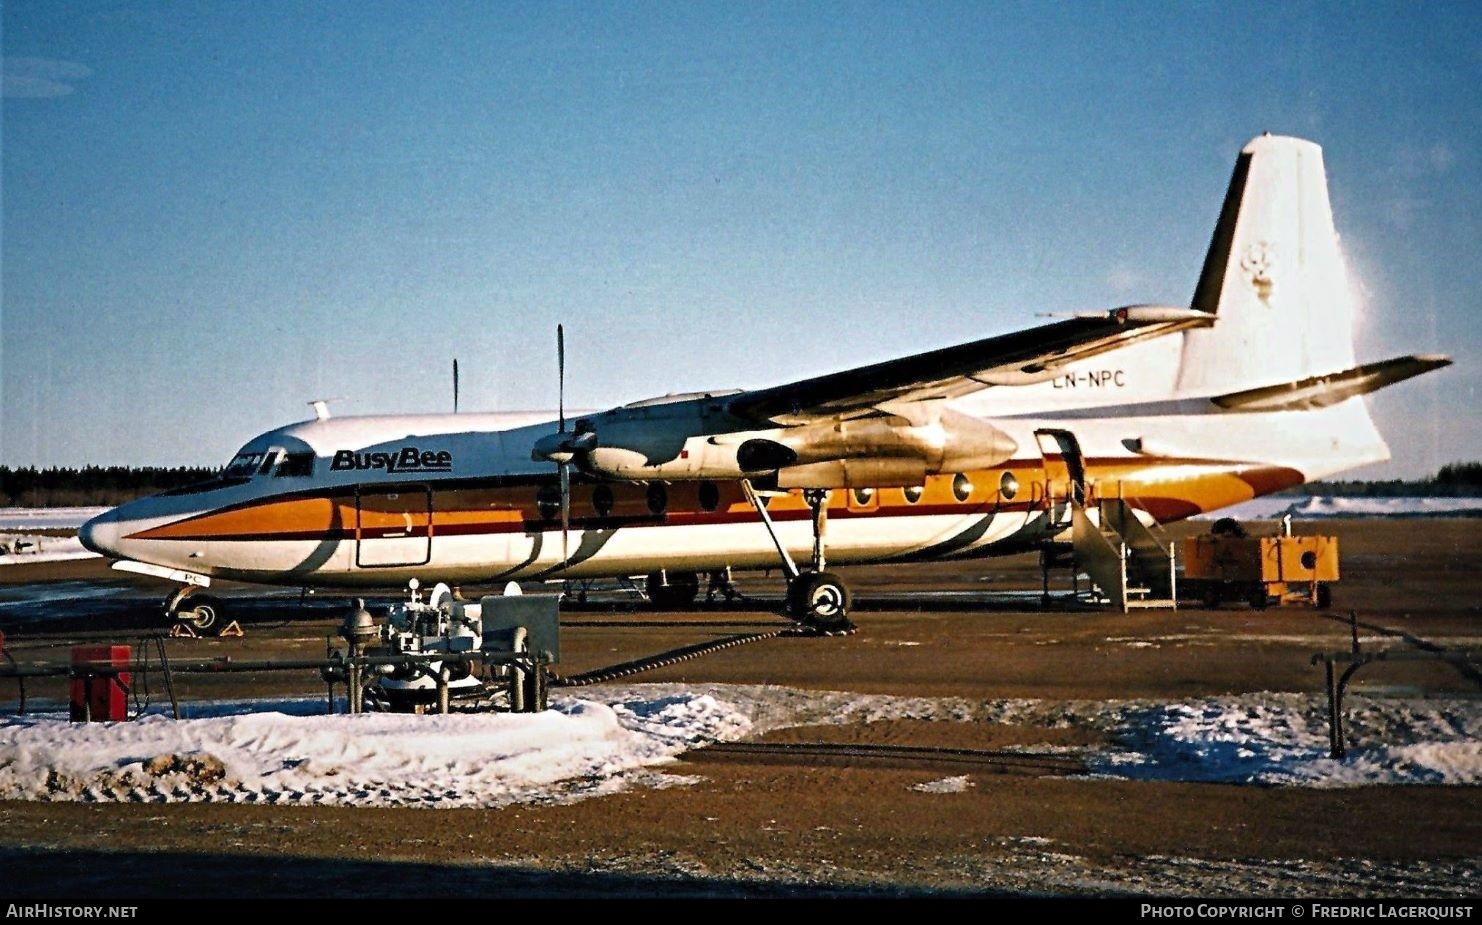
(393, 526)
(1065, 472)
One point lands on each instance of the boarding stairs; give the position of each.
(1125, 559)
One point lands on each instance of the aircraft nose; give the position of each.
(101, 534)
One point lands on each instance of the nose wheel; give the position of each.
(198, 611)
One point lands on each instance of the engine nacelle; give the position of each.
(671, 443)
(696, 459)
(949, 442)
(868, 472)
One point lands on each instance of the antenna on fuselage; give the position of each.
(321, 408)
(455, 385)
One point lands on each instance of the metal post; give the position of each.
(516, 688)
(1044, 570)
(352, 679)
(442, 692)
(328, 678)
(1335, 713)
(538, 699)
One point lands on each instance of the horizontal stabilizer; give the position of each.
(1322, 391)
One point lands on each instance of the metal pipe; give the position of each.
(352, 675)
(328, 678)
(1335, 715)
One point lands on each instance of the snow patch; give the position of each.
(945, 785)
(1283, 739)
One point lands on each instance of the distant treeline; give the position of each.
(1454, 480)
(92, 485)
(112, 485)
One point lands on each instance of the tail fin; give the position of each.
(1273, 278)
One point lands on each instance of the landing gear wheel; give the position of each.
(1259, 599)
(200, 611)
(821, 600)
(680, 590)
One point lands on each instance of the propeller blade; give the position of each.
(565, 512)
(561, 376)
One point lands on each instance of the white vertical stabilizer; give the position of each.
(1274, 278)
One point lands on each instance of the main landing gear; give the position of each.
(815, 597)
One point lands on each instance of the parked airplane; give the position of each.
(972, 450)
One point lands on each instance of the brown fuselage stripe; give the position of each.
(391, 510)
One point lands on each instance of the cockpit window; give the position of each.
(243, 465)
(297, 465)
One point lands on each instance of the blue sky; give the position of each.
(215, 212)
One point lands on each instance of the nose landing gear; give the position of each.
(198, 611)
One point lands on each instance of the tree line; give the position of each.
(1454, 480)
(113, 485)
(91, 486)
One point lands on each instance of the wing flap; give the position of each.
(1019, 358)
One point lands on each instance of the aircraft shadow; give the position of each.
(146, 614)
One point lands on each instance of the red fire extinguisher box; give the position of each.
(100, 695)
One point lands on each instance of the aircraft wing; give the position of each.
(1020, 358)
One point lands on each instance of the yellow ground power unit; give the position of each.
(1260, 570)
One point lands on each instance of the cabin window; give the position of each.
(962, 487)
(297, 465)
(658, 497)
(602, 500)
(912, 493)
(709, 496)
(1008, 486)
(863, 495)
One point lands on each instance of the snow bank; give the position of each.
(585, 747)
(46, 518)
(578, 749)
(43, 549)
(18, 523)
